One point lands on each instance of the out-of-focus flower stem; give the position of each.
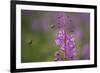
(65, 39)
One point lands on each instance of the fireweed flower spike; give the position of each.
(64, 40)
(70, 44)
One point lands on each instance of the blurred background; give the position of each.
(38, 30)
